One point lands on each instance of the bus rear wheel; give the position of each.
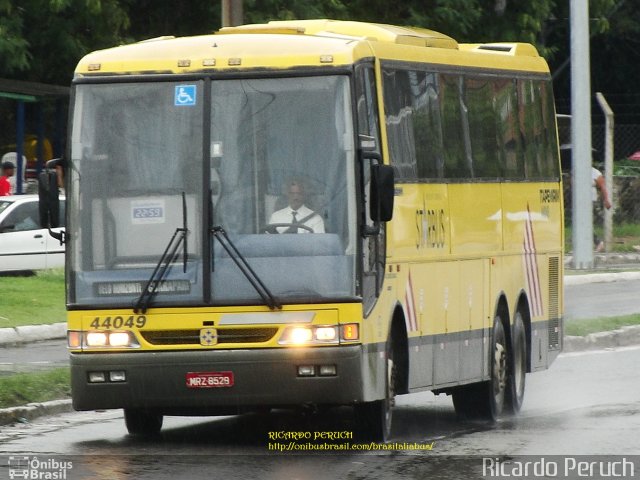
(142, 422)
(486, 400)
(517, 366)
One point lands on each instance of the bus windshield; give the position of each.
(276, 174)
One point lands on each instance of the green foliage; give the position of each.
(262, 11)
(14, 54)
(24, 388)
(153, 18)
(32, 300)
(625, 167)
(42, 40)
(581, 327)
(65, 30)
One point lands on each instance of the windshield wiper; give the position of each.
(178, 238)
(235, 255)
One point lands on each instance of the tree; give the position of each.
(48, 37)
(260, 11)
(153, 18)
(14, 53)
(42, 40)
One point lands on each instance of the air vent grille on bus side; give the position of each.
(554, 287)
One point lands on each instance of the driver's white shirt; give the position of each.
(285, 215)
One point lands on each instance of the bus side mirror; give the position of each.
(49, 200)
(382, 193)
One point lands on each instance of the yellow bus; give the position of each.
(427, 253)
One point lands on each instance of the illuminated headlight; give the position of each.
(300, 335)
(119, 339)
(97, 339)
(326, 334)
(107, 339)
(310, 335)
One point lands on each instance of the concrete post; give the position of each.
(232, 14)
(581, 136)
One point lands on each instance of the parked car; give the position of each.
(24, 245)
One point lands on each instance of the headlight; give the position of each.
(326, 334)
(319, 335)
(96, 339)
(101, 339)
(300, 335)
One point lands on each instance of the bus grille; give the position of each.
(192, 337)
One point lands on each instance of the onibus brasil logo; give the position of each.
(38, 469)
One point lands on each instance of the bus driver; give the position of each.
(297, 213)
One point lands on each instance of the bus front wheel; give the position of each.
(374, 419)
(142, 422)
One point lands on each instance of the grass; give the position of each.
(585, 327)
(23, 388)
(32, 300)
(625, 237)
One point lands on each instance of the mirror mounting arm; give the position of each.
(371, 230)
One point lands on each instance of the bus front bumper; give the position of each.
(261, 377)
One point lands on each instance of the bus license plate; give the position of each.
(209, 379)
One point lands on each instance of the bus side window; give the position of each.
(451, 104)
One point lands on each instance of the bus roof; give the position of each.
(304, 43)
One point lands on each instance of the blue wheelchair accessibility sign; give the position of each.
(185, 95)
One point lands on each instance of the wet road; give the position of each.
(606, 299)
(34, 357)
(586, 404)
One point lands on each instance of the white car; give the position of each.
(23, 244)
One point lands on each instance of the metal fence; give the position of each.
(626, 182)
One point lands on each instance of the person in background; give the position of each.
(599, 185)
(7, 173)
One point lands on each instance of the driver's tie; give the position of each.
(293, 229)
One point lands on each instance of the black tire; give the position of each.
(498, 362)
(142, 422)
(374, 419)
(517, 366)
(485, 401)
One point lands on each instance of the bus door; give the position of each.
(373, 239)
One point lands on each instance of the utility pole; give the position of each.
(582, 234)
(232, 14)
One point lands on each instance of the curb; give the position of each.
(600, 278)
(32, 333)
(32, 411)
(622, 337)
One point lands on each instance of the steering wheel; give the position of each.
(272, 227)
